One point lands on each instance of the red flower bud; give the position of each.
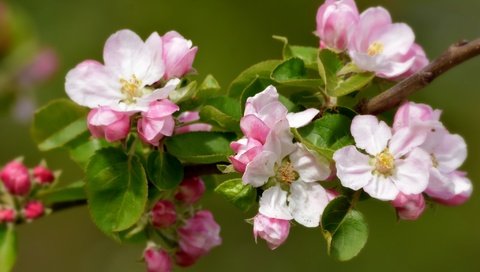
(43, 175)
(15, 178)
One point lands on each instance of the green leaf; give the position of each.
(209, 88)
(351, 84)
(116, 189)
(164, 170)
(329, 64)
(58, 123)
(345, 229)
(293, 72)
(241, 195)
(307, 54)
(183, 94)
(72, 192)
(8, 247)
(83, 148)
(327, 134)
(200, 147)
(222, 111)
(259, 70)
(257, 85)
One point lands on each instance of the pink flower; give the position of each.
(178, 55)
(124, 82)
(461, 187)
(393, 163)
(104, 122)
(15, 178)
(33, 210)
(7, 215)
(274, 231)
(157, 122)
(157, 260)
(421, 60)
(334, 21)
(409, 207)
(199, 234)
(43, 175)
(163, 214)
(190, 190)
(186, 119)
(378, 45)
(412, 114)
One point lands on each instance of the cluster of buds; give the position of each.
(193, 232)
(371, 39)
(133, 87)
(19, 184)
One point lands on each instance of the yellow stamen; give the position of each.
(286, 173)
(131, 88)
(385, 163)
(375, 48)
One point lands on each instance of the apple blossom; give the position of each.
(458, 190)
(409, 207)
(123, 82)
(43, 175)
(187, 124)
(335, 18)
(33, 210)
(393, 163)
(103, 122)
(273, 231)
(412, 114)
(178, 55)
(190, 190)
(420, 62)
(378, 45)
(157, 122)
(7, 215)
(15, 178)
(157, 260)
(199, 234)
(163, 214)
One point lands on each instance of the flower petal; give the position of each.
(406, 139)
(370, 134)
(353, 168)
(260, 169)
(412, 173)
(301, 119)
(307, 202)
(451, 153)
(273, 204)
(381, 188)
(311, 168)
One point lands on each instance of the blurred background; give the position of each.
(232, 35)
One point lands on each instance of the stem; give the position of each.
(455, 55)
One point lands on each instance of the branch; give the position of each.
(455, 55)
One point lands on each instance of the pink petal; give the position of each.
(353, 168)
(301, 119)
(260, 169)
(188, 116)
(397, 39)
(253, 127)
(310, 167)
(370, 134)
(406, 139)
(451, 153)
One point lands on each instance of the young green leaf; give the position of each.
(72, 192)
(307, 54)
(259, 70)
(58, 123)
(351, 84)
(116, 189)
(200, 147)
(329, 64)
(345, 229)
(164, 170)
(8, 247)
(222, 111)
(241, 195)
(293, 72)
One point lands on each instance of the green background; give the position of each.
(232, 35)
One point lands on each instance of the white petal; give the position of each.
(397, 39)
(412, 173)
(353, 168)
(306, 202)
(301, 119)
(260, 169)
(451, 153)
(406, 139)
(381, 188)
(89, 84)
(370, 134)
(280, 140)
(273, 204)
(309, 166)
(440, 185)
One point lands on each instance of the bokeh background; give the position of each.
(232, 35)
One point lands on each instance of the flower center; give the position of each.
(131, 89)
(434, 161)
(286, 173)
(375, 49)
(385, 163)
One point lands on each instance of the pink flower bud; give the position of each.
(33, 210)
(43, 175)
(16, 179)
(190, 190)
(41, 68)
(274, 231)
(334, 20)
(7, 215)
(178, 55)
(157, 260)
(157, 122)
(412, 114)
(409, 207)
(332, 194)
(199, 234)
(189, 117)
(459, 186)
(185, 260)
(164, 214)
(109, 124)
(421, 60)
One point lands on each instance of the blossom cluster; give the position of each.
(17, 190)
(418, 155)
(193, 233)
(371, 39)
(134, 84)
